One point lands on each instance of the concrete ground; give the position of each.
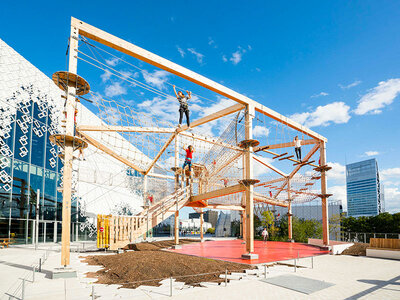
(353, 278)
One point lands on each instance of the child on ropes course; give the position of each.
(297, 147)
(188, 159)
(183, 105)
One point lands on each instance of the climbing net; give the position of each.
(143, 136)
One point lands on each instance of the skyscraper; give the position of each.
(364, 196)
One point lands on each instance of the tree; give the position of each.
(268, 221)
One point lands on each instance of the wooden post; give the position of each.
(249, 175)
(67, 171)
(176, 219)
(201, 225)
(290, 220)
(241, 225)
(325, 215)
(146, 205)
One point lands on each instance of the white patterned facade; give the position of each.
(31, 109)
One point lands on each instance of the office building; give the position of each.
(364, 195)
(210, 216)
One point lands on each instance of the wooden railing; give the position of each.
(114, 232)
(384, 243)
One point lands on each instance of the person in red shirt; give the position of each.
(189, 156)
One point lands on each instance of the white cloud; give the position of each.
(392, 200)
(259, 168)
(199, 56)
(338, 171)
(181, 51)
(379, 97)
(220, 124)
(112, 61)
(236, 57)
(336, 112)
(338, 193)
(322, 94)
(224, 59)
(371, 153)
(348, 86)
(157, 79)
(260, 131)
(166, 109)
(212, 43)
(115, 89)
(392, 172)
(105, 76)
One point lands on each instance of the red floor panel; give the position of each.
(232, 250)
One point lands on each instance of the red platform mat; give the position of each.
(232, 250)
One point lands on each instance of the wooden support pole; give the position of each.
(325, 214)
(201, 225)
(248, 158)
(176, 164)
(146, 205)
(176, 227)
(241, 224)
(67, 170)
(290, 219)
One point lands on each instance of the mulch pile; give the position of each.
(158, 245)
(358, 249)
(150, 263)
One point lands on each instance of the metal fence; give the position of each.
(364, 237)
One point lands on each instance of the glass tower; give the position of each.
(363, 189)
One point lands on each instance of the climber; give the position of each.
(297, 147)
(183, 105)
(188, 159)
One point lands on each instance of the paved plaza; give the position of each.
(347, 277)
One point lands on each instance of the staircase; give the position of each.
(114, 232)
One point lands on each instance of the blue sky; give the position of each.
(333, 65)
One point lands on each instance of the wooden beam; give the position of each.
(164, 147)
(268, 200)
(105, 128)
(270, 166)
(285, 145)
(269, 182)
(236, 156)
(118, 44)
(110, 152)
(227, 207)
(219, 114)
(219, 193)
(298, 167)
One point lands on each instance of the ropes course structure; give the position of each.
(231, 169)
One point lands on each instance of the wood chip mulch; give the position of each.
(358, 249)
(151, 264)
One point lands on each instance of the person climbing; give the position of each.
(188, 159)
(183, 105)
(297, 147)
(151, 199)
(265, 234)
(81, 156)
(225, 180)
